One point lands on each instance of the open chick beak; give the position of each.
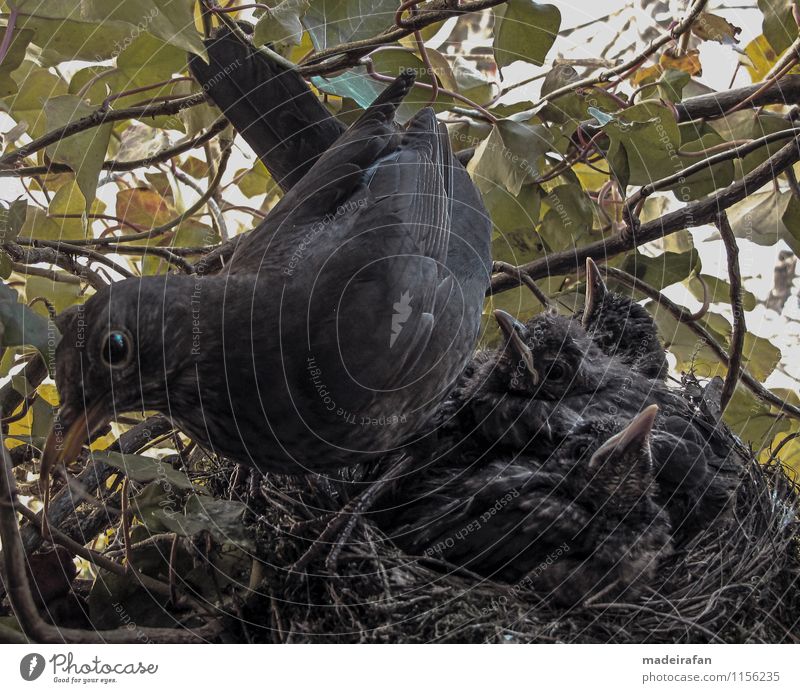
(633, 437)
(512, 330)
(595, 290)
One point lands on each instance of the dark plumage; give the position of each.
(507, 395)
(621, 327)
(550, 378)
(332, 336)
(271, 107)
(289, 129)
(574, 523)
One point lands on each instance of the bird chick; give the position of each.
(621, 327)
(507, 395)
(571, 524)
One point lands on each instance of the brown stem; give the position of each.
(737, 306)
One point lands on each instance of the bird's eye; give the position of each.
(118, 348)
(556, 372)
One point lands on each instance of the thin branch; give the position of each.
(633, 63)
(349, 53)
(524, 278)
(100, 117)
(635, 201)
(88, 253)
(785, 91)
(737, 306)
(113, 165)
(52, 256)
(692, 215)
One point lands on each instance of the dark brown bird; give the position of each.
(571, 524)
(506, 396)
(621, 327)
(332, 336)
(288, 127)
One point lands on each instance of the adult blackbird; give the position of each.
(332, 336)
(621, 327)
(572, 524)
(288, 127)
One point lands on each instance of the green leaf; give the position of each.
(709, 179)
(719, 291)
(331, 22)
(12, 60)
(147, 60)
(170, 20)
(39, 86)
(471, 82)
(524, 30)
(61, 295)
(145, 469)
(662, 270)
(83, 152)
(73, 39)
(12, 218)
(753, 420)
(21, 326)
(569, 218)
(256, 181)
(767, 217)
(281, 24)
(648, 132)
(778, 25)
(510, 156)
(220, 518)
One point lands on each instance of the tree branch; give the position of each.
(737, 306)
(115, 166)
(100, 117)
(692, 215)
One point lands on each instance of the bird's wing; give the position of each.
(269, 105)
(388, 270)
(330, 186)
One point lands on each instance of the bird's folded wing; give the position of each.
(392, 274)
(333, 183)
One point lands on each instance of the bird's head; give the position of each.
(616, 317)
(113, 358)
(621, 467)
(549, 357)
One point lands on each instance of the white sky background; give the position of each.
(719, 63)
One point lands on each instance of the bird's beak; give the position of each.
(512, 330)
(632, 439)
(72, 428)
(595, 290)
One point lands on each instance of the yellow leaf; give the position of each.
(689, 62)
(711, 27)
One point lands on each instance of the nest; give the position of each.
(737, 582)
